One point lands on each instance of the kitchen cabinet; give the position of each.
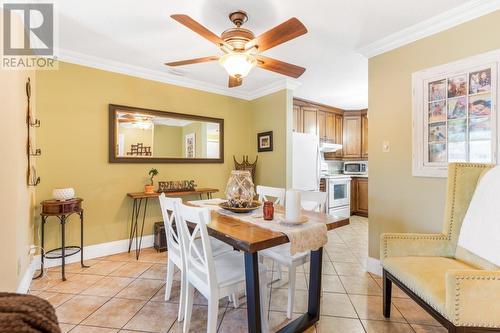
(297, 119)
(339, 121)
(364, 136)
(352, 136)
(359, 196)
(321, 116)
(330, 128)
(309, 120)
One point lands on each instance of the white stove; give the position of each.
(338, 187)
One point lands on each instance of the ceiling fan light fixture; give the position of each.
(238, 65)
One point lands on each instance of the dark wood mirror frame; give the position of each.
(113, 109)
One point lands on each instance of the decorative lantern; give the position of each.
(240, 189)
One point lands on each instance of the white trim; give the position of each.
(24, 284)
(96, 251)
(431, 26)
(419, 110)
(148, 74)
(374, 266)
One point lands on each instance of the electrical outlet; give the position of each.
(32, 250)
(386, 147)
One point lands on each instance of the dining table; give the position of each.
(250, 239)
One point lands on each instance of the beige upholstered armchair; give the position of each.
(458, 288)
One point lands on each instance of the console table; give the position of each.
(138, 198)
(62, 210)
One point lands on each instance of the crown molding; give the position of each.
(449, 19)
(148, 74)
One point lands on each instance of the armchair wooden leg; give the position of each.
(387, 286)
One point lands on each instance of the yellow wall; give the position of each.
(269, 113)
(399, 202)
(16, 198)
(167, 141)
(134, 136)
(73, 106)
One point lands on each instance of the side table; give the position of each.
(62, 210)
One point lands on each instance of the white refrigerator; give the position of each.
(305, 162)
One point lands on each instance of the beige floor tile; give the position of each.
(363, 285)
(154, 257)
(132, 269)
(75, 283)
(373, 326)
(55, 299)
(331, 283)
(75, 267)
(278, 320)
(428, 329)
(114, 314)
(78, 308)
(124, 256)
(47, 281)
(279, 300)
(103, 267)
(154, 317)
(300, 281)
(199, 320)
(65, 328)
(336, 305)
(349, 269)
(339, 325)
(141, 289)
(396, 292)
(174, 295)
(93, 329)
(413, 313)
(157, 271)
(370, 307)
(108, 286)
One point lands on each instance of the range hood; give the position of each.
(326, 147)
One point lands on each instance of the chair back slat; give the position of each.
(167, 206)
(198, 258)
(267, 193)
(313, 200)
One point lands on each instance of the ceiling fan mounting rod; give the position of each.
(238, 18)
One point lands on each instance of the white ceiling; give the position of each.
(142, 36)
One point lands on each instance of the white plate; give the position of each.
(303, 219)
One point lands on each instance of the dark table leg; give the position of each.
(42, 253)
(133, 224)
(138, 246)
(313, 309)
(63, 246)
(253, 295)
(81, 241)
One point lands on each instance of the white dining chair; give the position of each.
(214, 277)
(313, 201)
(275, 194)
(175, 250)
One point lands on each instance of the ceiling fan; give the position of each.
(242, 50)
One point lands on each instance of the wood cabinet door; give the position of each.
(297, 119)
(354, 195)
(310, 120)
(362, 196)
(352, 136)
(321, 116)
(339, 128)
(364, 135)
(330, 127)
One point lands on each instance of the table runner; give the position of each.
(303, 237)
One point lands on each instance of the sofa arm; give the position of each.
(472, 297)
(408, 244)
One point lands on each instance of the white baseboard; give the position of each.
(95, 251)
(373, 266)
(24, 284)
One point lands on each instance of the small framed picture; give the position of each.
(265, 141)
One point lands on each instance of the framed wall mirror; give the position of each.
(139, 135)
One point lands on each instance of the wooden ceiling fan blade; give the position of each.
(192, 61)
(280, 66)
(280, 34)
(234, 82)
(189, 23)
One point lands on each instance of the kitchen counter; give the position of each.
(359, 176)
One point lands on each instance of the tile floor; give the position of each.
(119, 294)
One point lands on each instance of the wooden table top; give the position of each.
(202, 190)
(248, 237)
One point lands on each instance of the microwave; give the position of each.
(356, 168)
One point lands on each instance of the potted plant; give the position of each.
(150, 188)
